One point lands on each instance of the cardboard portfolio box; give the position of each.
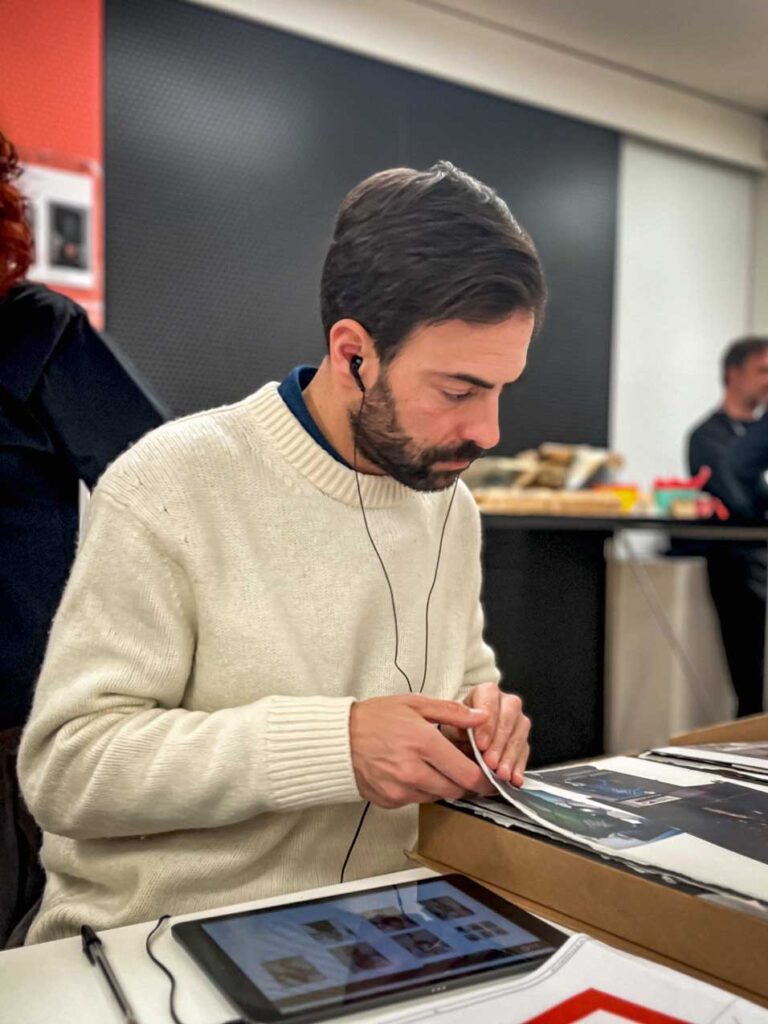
(722, 945)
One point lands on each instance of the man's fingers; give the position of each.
(486, 696)
(448, 712)
(457, 736)
(510, 711)
(515, 754)
(415, 796)
(449, 761)
(517, 772)
(485, 788)
(431, 781)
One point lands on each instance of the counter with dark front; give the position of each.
(544, 594)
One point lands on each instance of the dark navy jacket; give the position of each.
(68, 407)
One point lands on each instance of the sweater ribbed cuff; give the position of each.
(309, 761)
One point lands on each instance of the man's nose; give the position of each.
(483, 427)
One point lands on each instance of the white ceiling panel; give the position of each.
(718, 48)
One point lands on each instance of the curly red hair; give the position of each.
(15, 233)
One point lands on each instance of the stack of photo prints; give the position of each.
(694, 817)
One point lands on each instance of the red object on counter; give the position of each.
(706, 508)
(694, 483)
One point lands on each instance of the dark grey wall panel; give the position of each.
(559, 178)
(228, 149)
(544, 600)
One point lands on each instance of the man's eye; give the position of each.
(457, 396)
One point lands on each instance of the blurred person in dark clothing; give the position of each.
(745, 377)
(737, 569)
(746, 462)
(68, 407)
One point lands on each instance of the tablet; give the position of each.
(324, 957)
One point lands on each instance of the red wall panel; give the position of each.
(51, 95)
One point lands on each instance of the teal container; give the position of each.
(664, 496)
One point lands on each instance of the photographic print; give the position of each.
(731, 816)
(751, 757)
(422, 944)
(692, 825)
(327, 932)
(68, 236)
(446, 908)
(606, 786)
(481, 930)
(391, 919)
(752, 750)
(293, 971)
(611, 827)
(361, 956)
(61, 208)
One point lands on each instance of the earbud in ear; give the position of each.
(354, 368)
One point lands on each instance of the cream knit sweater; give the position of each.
(188, 746)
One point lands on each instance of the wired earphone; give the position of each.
(354, 368)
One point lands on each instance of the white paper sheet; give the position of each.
(588, 981)
(737, 755)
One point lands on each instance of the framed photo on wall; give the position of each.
(63, 209)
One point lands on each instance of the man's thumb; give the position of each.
(451, 712)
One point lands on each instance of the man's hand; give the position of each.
(400, 757)
(502, 738)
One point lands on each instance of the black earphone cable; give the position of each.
(354, 839)
(159, 963)
(170, 975)
(432, 587)
(354, 369)
(402, 672)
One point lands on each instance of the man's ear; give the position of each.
(348, 340)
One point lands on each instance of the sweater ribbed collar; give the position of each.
(329, 476)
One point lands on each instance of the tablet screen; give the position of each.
(305, 956)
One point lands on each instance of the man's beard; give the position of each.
(381, 440)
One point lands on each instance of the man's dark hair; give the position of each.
(413, 248)
(740, 351)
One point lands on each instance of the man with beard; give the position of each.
(276, 602)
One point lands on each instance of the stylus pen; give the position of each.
(94, 950)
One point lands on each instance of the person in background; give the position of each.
(746, 461)
(745, 377)
(67, 408)
(737, 569)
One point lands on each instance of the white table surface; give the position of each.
(54, 983)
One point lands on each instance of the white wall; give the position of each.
(683, 291)
(760, 279)
(444, 42)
